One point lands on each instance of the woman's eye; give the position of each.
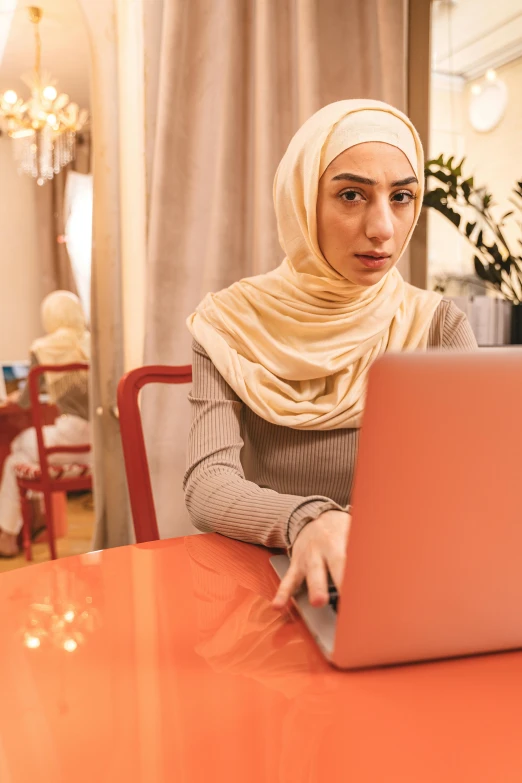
(351, 196)
(405, 197)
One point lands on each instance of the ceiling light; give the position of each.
(10, 97)
(50, 92)
(43, 127)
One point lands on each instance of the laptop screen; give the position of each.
(13, 376)
(15, 371)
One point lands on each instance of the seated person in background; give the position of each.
(280, 360)
(67, 341)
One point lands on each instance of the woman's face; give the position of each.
(365, 209)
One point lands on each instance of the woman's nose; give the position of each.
(379, 224)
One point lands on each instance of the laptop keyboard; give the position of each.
(333, 596)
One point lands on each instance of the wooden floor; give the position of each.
(80, 524)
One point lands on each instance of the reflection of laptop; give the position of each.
(434, 557)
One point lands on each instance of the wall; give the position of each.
(19, 271)
(65, 53)
(494, 159)
(447, 252)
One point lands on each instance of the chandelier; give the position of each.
(44, 127)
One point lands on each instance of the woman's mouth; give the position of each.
(373, 262)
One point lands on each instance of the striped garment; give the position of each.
(259, 482)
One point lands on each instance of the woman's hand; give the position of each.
(319, 548)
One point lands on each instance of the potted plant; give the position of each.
(495, 261)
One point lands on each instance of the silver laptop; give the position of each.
(434, 555)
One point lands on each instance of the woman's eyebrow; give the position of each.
(407, 181)
(355, 178)
(367, 181)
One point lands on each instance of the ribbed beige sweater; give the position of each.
(259, 482)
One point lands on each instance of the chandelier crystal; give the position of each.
(44, 127)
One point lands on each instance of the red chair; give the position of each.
(133, 442)
(45, 477)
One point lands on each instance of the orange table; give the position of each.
(165, 662)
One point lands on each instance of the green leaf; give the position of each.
(451, 215)
(494, 252)
(442, 176)
(442, 207)
(488, 273)
(432, 198)
(494, 275)
(481, 269)
(515, 283)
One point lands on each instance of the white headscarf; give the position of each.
(67, 340)
(296, 344)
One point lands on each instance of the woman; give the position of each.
(67, 341)
(280, 361)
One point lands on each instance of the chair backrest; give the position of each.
(44, 451)
(133, 443)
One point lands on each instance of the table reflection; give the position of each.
(183, 671)
(400, 723)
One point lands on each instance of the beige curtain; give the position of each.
(50, 202)
(113, 523)
(237, 78)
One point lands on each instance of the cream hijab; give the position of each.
(296, 344)
(67, 340)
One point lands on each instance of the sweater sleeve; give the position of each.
(451, 330)
(217, 494)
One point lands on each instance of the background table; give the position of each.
(165, 662)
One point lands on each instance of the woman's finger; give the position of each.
(290, 583)
(317, 581)
(335, 562)
(335, 556)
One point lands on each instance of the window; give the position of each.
(78, 233)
